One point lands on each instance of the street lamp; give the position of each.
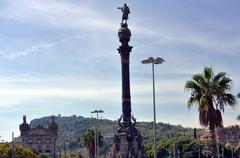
(206, 151)
(222, 151)
(174, 151)
(178, 153)
(13, 146)
(64, 148)
(153, 61)
(70, 141)
(96, 134)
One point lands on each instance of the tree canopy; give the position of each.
(19, 152)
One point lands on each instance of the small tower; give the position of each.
(53, 126)
(24, 127)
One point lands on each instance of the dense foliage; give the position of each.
(6, 152)
(185, 147)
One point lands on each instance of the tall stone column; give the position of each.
(124, 50)
(128, 142)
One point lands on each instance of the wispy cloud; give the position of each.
(201, 40)
(26, 85)
(65, 14)
(41, 48)
(28, 51)
(56, 13)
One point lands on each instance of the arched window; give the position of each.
(39, 140)
(48, 151)
(30, 141)
(48, 140)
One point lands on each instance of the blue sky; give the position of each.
(59, 57)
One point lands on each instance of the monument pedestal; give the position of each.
(127, 144)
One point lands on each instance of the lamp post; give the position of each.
(70, 141)
(64, 148)
(178, 151)
(13, 146)
(222, 151)
(96, 134)
(169, 153)
(153, 61)
(199, 150)
(174, 151)
(232, 149)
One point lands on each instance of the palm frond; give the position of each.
(229, 99)
(198, 78)
(203, 103)
(191, 101)
(238, 117)
(208, 73)
(224, 81)
(219, 76)
(238, 95)
(191, 85)
(203, 118)
(200, 81)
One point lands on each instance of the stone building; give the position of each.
(228, 135)
(40, 138)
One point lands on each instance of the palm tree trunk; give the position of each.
(91, 155)
(213, 139)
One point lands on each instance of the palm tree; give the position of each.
(211, 94)
(88, 139)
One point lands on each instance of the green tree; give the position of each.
(88, 139)
(211, 93)
(19, 152)
(184, 146)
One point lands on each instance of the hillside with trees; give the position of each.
(73, 127)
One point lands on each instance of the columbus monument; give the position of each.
(128, 142)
